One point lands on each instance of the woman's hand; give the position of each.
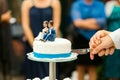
(6, 16)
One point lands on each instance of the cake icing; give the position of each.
(47, 78)
(46, 45)
(56, 49)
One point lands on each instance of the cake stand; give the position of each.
(52, 63)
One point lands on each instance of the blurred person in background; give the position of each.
(5, 37)
(34, 13)
(88, 16)
(113, 23)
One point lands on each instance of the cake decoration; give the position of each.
(48, 33)
(46, 45)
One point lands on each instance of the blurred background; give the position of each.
(12, 49)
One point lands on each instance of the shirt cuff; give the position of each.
(115, 36)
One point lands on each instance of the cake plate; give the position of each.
(52, 62)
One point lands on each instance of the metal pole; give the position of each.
(52, 70)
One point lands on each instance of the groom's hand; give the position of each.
(96, 40)
(106, 47)
(106, 43)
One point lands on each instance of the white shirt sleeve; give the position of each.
(115, 36)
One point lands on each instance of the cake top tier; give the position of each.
(48, 33)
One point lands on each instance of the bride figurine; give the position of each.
(44, 31)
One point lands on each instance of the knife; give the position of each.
(81, 51)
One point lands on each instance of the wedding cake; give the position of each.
(46, 45)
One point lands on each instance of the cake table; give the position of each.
(52, 62)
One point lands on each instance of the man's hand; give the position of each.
(101, 44)
(96, 39)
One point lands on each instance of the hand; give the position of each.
(106, 47)
(103, 52)
(95, 40)
(6, 16)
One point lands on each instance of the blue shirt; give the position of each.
(81, 10)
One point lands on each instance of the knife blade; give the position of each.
(81, 51)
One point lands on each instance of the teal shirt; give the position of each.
(113, 22)
(112, 63)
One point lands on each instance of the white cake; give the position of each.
(60, 48)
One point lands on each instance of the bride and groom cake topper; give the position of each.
(48, 33)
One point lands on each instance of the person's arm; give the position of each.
(115, 36)
(5, 17)
(78, 21)
(25, 21)
(5, 13)
(77, 18)
(56, 15)
(91, 23)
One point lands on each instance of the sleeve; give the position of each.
(115, 36)
(101, 21)
(50, 31)
(75, 12)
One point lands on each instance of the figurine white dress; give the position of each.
(44, 31)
